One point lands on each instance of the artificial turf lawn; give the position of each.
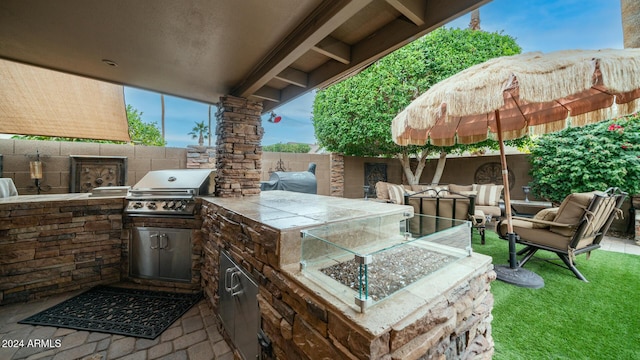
(568, 318)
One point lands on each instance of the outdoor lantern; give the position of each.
(35, 169)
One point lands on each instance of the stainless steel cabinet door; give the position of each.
(175, 254)
(247, 318)
(144, 253)
(161, 253)
(239, 310)
(227, 301)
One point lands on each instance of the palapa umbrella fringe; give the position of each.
(629, 108)
(620, 73)
(480, 89)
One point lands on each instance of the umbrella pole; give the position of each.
(512, 274)
(513, 262)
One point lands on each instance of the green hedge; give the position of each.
(593, 157)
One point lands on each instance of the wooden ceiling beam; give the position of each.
(294, 77)
(268, 93)
(334, 49)
(393, 36)
(322, 22)
(414, 10)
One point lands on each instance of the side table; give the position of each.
(528, 208)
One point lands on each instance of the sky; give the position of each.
(537, 25)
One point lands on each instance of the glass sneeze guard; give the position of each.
(373, 258)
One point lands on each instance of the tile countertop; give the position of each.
(285, 210)
(50, 197)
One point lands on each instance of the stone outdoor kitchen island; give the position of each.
(444, 315)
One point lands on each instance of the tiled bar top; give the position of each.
(50, 197)
(284, 210)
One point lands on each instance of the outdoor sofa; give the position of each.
(475, 203)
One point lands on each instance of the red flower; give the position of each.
(613, 127)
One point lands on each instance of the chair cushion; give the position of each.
(527, 232)
(488, 195)
(396, 193)
(546, 215)
(494, 211)
(382, 191)
(571, 212)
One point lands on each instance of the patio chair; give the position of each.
(574, 228)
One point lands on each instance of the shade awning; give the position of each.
(37, 101)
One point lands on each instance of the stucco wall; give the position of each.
(458, 170)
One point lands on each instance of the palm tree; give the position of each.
(200, 132)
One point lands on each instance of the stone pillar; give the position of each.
(238, 151)
(630, 23)
(337, 174)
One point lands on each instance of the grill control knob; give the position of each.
(152, 206)
(137, 205)
(171, 205)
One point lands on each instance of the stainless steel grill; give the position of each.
(168, 193)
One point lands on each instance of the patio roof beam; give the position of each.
(391, 37)
(414, 10)
(294, 77)
(334, 49)
(268, 93)
(322, 22)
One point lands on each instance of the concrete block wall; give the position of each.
(56, 161)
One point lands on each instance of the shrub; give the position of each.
(593, 157)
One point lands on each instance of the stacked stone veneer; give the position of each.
(301, 325)
(337, 174)
(201, 157)
(238, 159)
(51, 247)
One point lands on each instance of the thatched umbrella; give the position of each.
(512, 96)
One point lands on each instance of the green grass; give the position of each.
(568, 318)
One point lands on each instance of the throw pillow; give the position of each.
(396, 193)
(489, 195)
(382, 190)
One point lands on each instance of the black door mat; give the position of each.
(131, 312)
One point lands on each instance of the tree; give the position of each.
(290, 147)
(354, 116)
(199, 132)
(593, 157)
(139, 132)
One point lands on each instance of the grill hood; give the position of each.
(196, 180)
